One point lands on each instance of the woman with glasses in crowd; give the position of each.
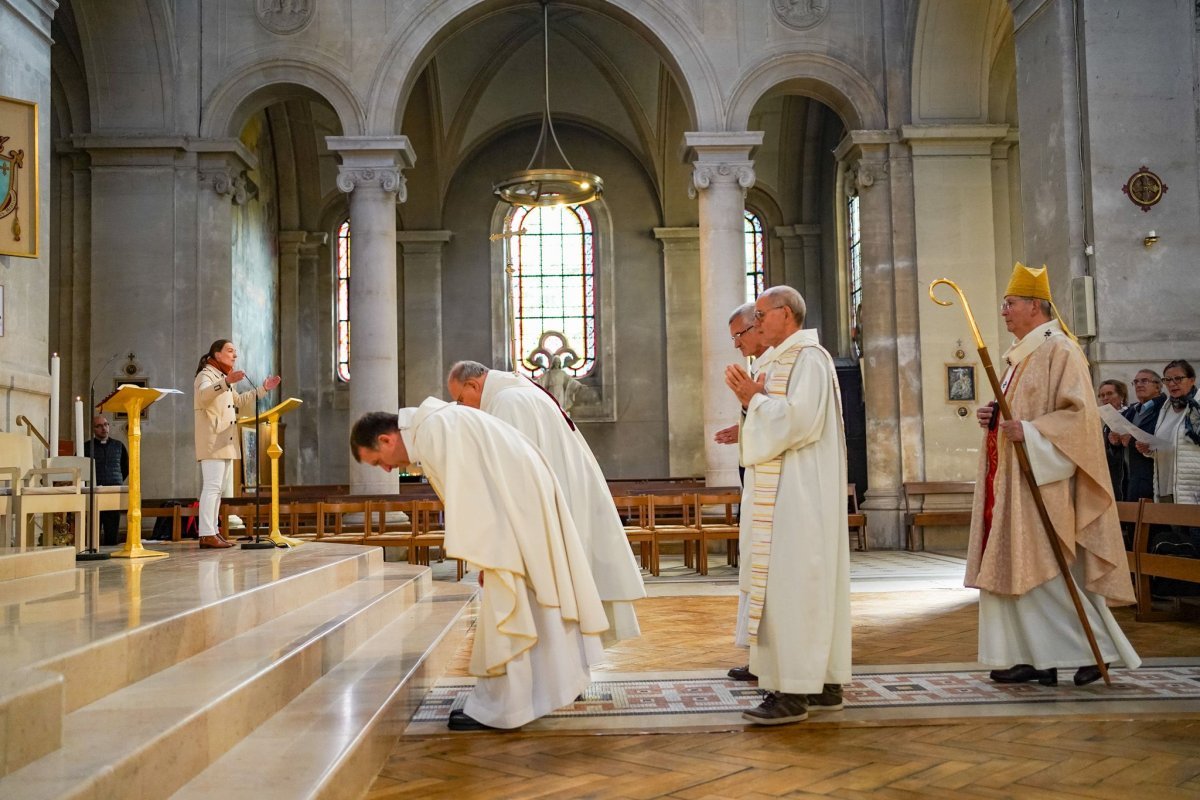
(1177, 463)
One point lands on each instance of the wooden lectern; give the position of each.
(130, 400)
(274, 451)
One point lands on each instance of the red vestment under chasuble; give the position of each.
(1048, 387)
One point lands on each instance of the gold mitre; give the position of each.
(1026, 282)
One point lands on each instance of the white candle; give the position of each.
(78, 426)
(54, 404)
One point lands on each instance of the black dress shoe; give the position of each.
(1088, 674)
(742, 674)
(459, 721)
(1023, 673)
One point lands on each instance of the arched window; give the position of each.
(756, 251)
(854, 283)
(552, 291)
(342, 293)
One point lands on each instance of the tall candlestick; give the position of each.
(53, 405)
(78, 426)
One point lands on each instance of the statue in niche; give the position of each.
(553, 356)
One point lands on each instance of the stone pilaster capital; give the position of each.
(301, 242)
(373, 162)
(429, 242)
(389, 179)
(224, 181)
(721, 159)
(705, 174)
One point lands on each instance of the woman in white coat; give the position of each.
(216, 405)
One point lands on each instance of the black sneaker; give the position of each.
(742, 674)
(830, 699)
(778, 708)
(459, 721)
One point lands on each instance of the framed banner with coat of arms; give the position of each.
(18, 178)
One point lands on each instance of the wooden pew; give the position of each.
(917, 517)
(1154, 565)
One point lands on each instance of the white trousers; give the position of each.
(214, 472)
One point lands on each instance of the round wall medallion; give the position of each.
(284, 16)
(1144, 188)
(801, 14)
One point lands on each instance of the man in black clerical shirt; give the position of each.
(112, 468)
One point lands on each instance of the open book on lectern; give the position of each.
(118, 399)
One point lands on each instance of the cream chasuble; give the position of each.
(803, 635)
(1025, 612)
(505, 514)
(528, 408)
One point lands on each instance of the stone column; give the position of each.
(681, 280)
(222, 176)
(952, 178)
(371, 172)
(722, 172)
(866, 153)
(1044, 33)
(424, 365)
(802, 266)
(298, 363)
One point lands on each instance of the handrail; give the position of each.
(24, 420)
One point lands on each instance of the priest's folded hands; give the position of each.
(742, 385)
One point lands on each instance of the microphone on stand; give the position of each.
(256, 543)
(93, 553)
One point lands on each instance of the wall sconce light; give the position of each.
(1150, 240)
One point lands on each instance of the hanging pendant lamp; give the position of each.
(548, 186)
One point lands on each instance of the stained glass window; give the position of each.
(756, 276)
(553, 288)
(854, 265)
(342, 359)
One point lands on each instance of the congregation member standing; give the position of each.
(534, 412)
(797, 571)
(112, 469)
(540, 616)
(1027, 621)
(1116, 394)
(1139, 469)
(1177, 465)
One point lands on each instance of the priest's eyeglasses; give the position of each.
(758, 315)
(742, 332)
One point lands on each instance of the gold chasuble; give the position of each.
(1048, 387)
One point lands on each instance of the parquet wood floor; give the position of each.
(1071, 758)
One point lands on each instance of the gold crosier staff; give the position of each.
(1026, 471)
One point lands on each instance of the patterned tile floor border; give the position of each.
(890, 690)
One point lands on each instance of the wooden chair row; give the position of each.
(1147, 515)
(695, 521)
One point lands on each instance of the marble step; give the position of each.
(332, 740)
(73, 636)
(151, 627)
(149, 738)
(37, 561)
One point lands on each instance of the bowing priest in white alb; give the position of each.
(534, 412)
(797, 573)
(537, 634)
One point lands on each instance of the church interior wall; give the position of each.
(1142, 112)
(635, 445)
(24, 347)
(127, 215)
(256, 261)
